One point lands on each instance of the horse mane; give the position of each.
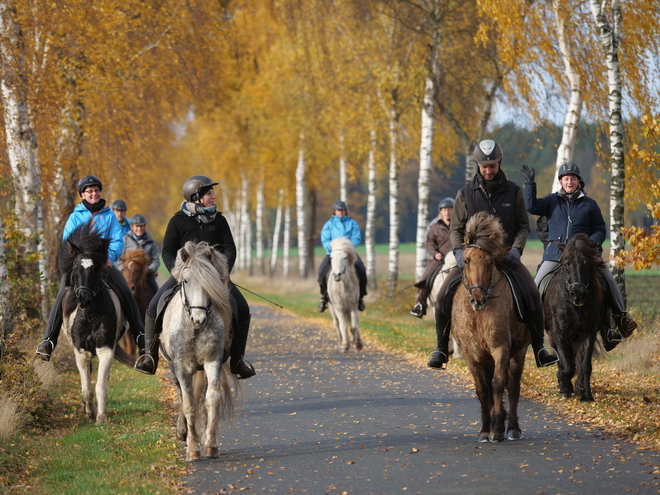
(345, 244)
(83, 240)
(209, 268)
(582, 243)
(485, 231)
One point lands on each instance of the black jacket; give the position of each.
(183, 228)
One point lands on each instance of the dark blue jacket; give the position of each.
(566, 218)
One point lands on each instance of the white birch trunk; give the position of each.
(286, 242)
(276, 234)
(609, 37)
(342, 168)
(393, 264)
(227, 211)
(301, 195)
(574, 112)
(260, 227)
(243, 225)
(5, 306)
(423, 189)
(370, 228)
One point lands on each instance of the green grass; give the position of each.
(134, 453)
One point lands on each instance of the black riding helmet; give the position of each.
(89, 181)
(569, 168)
(446, 203)
(488, 152)
(138, 219)
(195, 187)
(339, 205)
(119, 204)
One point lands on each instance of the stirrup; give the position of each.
(322, 305)
(417, 310)
(440, 355)
(43, 353)
(242, 369)
(146, 364)
(614, 336)
(360, 305)
(546, 359)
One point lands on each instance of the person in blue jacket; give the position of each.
(119, 208)
(340, 225)
(92, 207)
(569, 212)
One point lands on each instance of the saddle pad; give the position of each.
(520, 295)
(164, 300)
(545, 281)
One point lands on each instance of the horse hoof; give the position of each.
(513, 435)
(586, 398)
(495, 438)
(102, 420)
(193, 456)
(211, 452)
(565, 395)
(483, 438)
(359, 346)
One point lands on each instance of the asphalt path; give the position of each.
(316, 421)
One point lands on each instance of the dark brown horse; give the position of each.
(575, 310)
(135, 264)
(485, 324)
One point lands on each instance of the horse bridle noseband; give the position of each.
(570, 286)
(486, 290)
(187, 305)
(99, 286)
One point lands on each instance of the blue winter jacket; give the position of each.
(340, 227)
(105, 224)
(125, 227)
(566, 218)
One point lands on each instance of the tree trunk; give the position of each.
(393, 265)
(260, 227)
(5, 306)
(609, 37)
(423, 189)
(286, 242)
(342, 168)
(574, 112)
(276, 234)
(301, 196)
(370, 229)
(310, 224)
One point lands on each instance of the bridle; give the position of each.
(99, 286)
(186, 304)
(491, 286)
(571, 286)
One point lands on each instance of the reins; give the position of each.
(569, 287)
(188, 307)
(99, 286)
(491, 286)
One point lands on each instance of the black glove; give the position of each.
(513, 256)
(529, 173)
(458, 254)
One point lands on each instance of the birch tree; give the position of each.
(259, 227)
(301, 210)
(370, 228)
(276, 233)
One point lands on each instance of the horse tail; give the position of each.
(124, 357)
(231, 389)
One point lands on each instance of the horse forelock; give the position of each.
(580, 243)
(345, 244)
(485, 231)
(83, 241)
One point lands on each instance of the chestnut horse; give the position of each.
(485, 323)
(135, 264)
(575, 311)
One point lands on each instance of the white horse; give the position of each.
(196, 336)
(344, 293)
(450, 262)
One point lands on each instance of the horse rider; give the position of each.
(199, 220)
(437, 245)
(93, 209)
(340, 225)
(570, 211)
(490, 191)
(139, 238)
(119, 208)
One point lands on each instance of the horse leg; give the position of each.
(482, 381)
(340, 324)
(106, 356)
(357, 338)
(498, 412)
(213, 398)
(516, 366)
(565, 370)
(584, 369)
(189, 410)
(84, 363)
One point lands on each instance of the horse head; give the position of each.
(484, 250)
(579, 254)
(341, 257)
(134, 268)
(83, 259)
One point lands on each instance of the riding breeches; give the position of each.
(546, 267)
(324, 269)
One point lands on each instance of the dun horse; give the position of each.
(344, 293)
(134, 269)
(92, 317)
(195, 341)
(575, 311)
(485, 324)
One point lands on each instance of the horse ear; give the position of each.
(560, 245)
(183, 254)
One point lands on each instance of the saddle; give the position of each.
(427, 283)
(521, 295)
(164, 300)
(545, 281)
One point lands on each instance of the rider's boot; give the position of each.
(541, 353)
(148, 361)
(237, 364)
(439, 358)
(47, 346)
(361, 305)
(323, 303)
(418, 309)
(625, 324)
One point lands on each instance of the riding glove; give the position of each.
(458, 254)
(529, 173)
(513, 256)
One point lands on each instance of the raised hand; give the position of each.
(529, 173)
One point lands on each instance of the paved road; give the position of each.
(316, 421)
